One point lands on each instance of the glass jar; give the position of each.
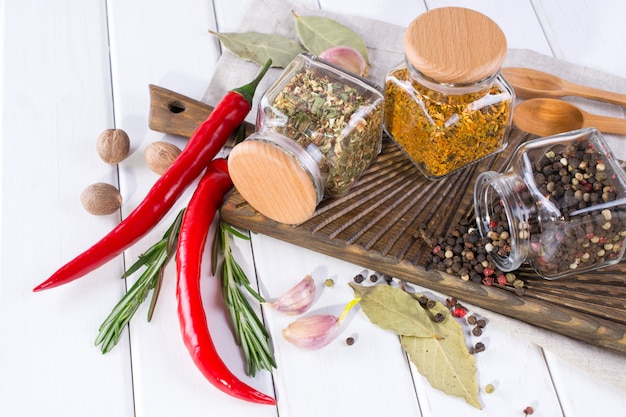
(446, 105)
(561, 206)
(318, 128)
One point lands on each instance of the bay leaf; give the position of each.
(393, 309)
(259, 47)
(437, 349)
(317, 34)
(446, 363)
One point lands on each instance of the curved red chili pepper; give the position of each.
(194, 229)
(202, 147)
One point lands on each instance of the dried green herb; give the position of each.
(259, 47)
(342, 122)
(320, 33)
(436, 348)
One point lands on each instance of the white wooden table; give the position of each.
(72, 68)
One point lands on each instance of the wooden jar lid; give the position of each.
(455, 45)
(272, 182)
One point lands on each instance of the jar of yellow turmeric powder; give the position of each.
(446, 105)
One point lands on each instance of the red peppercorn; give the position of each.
(459, 312)
(502, 279)
(488, 281)
(492, 224)
(487, 271)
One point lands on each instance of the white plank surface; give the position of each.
(73, 68)
(56, 98)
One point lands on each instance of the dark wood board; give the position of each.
(384, 224)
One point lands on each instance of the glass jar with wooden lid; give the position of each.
(446, 105)
(318, 128)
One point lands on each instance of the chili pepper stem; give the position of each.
(247, 91)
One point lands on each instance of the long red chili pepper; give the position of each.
(202, 147)
(194, 229)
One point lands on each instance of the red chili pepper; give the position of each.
(202, 147)
(194, 229)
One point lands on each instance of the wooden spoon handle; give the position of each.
(176, 114)
(606, 124)
(595, 93)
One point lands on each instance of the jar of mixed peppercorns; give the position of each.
(561, 206)
(318, 128)
(446, 105)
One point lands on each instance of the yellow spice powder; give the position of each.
(441, 133)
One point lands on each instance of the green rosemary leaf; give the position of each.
(154, 259)
(250, 333)
(235, 232)
(145, 258)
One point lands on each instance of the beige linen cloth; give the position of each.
(384, 43)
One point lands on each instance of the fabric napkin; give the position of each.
(384, 43)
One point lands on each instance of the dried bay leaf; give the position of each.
(317, 34)
(446, 363)
(259, 47)
(437, 349)
(395, 310)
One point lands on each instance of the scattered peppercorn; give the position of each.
(350, 341)
(468, 255)
(528, 411)
(490, 388)
(373, 277)
(329, 282)
(359, 278)
(481, 323)
(459, 312)
(438, 318)
(477, 331)
(423, 300)
(479, 347)
(471, 320)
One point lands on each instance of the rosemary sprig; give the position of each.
(154, 259)
(250, 333)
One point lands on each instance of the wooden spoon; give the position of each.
(547, 117)
(530, 83)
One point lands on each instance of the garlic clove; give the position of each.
(315, 332)
(298, 299)
(312, 332)
(347, 58)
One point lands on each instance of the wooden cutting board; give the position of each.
(385, 224)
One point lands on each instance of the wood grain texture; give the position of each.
(386, 222)
(455, 45)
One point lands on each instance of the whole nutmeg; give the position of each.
(113, 146)
(160, 155)
(101, 199)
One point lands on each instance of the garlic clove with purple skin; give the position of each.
(347, 58)
(312, 332)
(315, 332)
(298, 299)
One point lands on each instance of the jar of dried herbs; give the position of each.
(447, 106)
(318, 128)
(560, 206)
